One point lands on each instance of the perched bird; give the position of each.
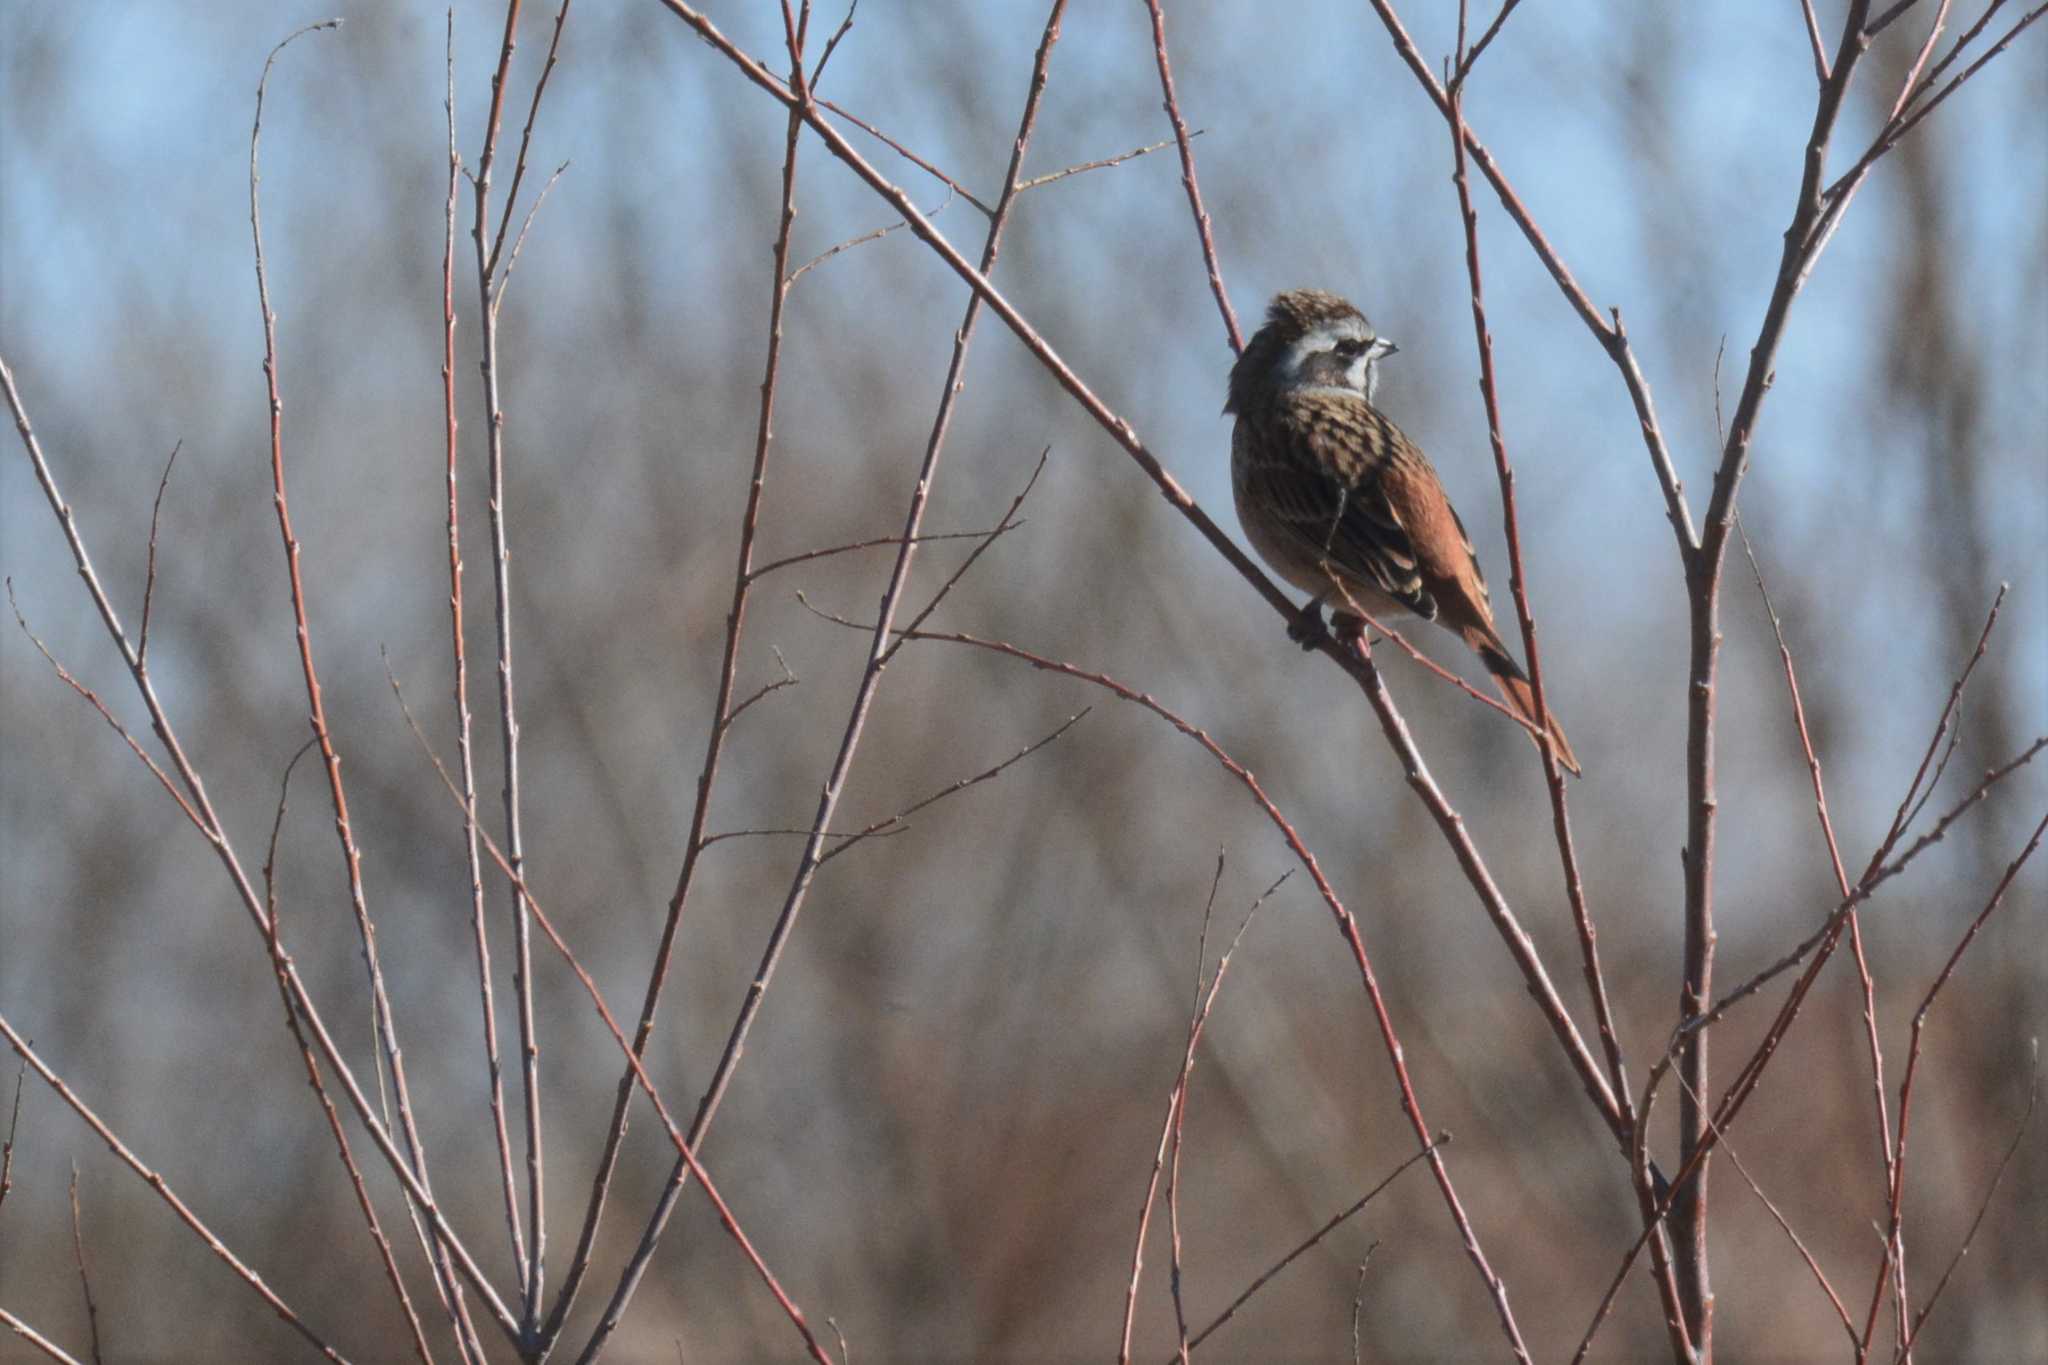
(1339, 502)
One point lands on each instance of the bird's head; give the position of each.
(1310, 340)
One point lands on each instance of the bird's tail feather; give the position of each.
(1514, 686)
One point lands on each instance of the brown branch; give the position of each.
(1082, 168)
(1820, 802)
(893, 145)
(804, 107)
(1314, 1239)
(1470, 57)
(1894, 1251)
(526, 136)
(489, 286)
(198, 808)
(1347, 928)
(1983, 1205)
(894, 823)
(1170, 1126)
(280, 964)
(684, 1149)
(1185, 141)
(872, 543)
(723, 713)
(35, 1338)
(494, 1070)
(385, 1022)
(162, 1187)
(92, 1307)
(13, 1131)
(149, 574)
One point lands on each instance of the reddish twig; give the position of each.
(894, 823)
(1820, 51)
(723, 713)
(862, 240)
(13, 1131)
(149, 574)
(1983, 1205)
(386, 1022)
(1185, 140)
(540, 87)
(162, 1187)
(1313, 1239)
(1347, 927)
(897, 147)
(280, 964)
(1007, 523)
(35, 1338)
(1894, 1250)
(465, 756)
(1575, 890)
(1469, 57)
(92, 1307)
(1865, 981)
(803, 106)
(1083, 167)
(198, 808)
(1170, 1127)
(684, 1149)
(873, 543)
(1663, 1275)
(489, 284)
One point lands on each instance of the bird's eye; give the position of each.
(1350, 348)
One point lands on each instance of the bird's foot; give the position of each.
(1307, 628)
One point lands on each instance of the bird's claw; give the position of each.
(1307, 628)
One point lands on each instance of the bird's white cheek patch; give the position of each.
(1321, 341)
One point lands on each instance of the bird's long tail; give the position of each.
(1514, 686)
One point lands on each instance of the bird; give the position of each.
(1340, 503)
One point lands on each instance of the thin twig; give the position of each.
(519, 242)
(1820, 51)
(198, 808)
(1171, 1126)
(163, 1190)
(36, 1339)
(862, 240)
(1313, 1239)
(494, 1070)
(92, 1307)
(1865, 981)
(873, 543)
(526, 135)
(684, 1149)
(497, 509)
(1470, 57)
(1894, 1251)
(1347, 927)
(723, 714)
(385, 1022)
(1105, 163)
(893, 823)
(149, 575)
(912, 157)
(804, 107)
(1185, 140)
(1984, 1204)
(13, 1131)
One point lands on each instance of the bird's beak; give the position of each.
(1387, 348)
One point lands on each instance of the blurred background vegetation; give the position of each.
(947, 1114)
